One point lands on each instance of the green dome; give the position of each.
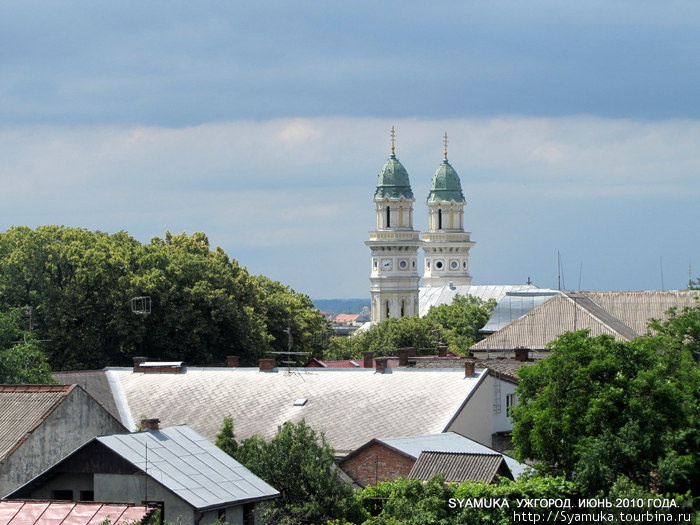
(446, 186)
(392, 181)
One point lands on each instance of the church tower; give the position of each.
(394, 244)
(446, 244)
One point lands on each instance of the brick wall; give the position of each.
(376, 463)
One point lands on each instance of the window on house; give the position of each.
(87, 495)
(510, 403)
(62, 494)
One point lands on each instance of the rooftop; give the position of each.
(34, 512)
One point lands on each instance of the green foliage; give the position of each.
(300, 464)
(456, 324)
(415, 502)
(205, 306)
(21, 358)
(598, 409)
(225, 439)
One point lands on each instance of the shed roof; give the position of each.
(413, 446)
(350, 405)
(35, 512)
(23, 408)
(459, 466)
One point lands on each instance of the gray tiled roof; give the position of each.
(448, 442)
(351, 406)
(22, 409)
(624, 315)
(190, 466)
(459, 466)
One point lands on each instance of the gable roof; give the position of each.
(185, 463)
(624, 315)
(413, 446)
(92, 381)
(351, 406)
(34, 512)
(23, 408)
(459, 466)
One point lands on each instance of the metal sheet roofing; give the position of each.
(430, 296)
(448, 442)
(514, 305)
(23, 408)
(351, 406)
(458, 466)
(189, 465)
(33, 512)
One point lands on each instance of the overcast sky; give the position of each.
(574, 126)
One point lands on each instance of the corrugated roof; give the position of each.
(190, 466)
(430, 296)
(23, 408)
(448, 442)
(351, 406)
(33, 512)
(624, 315)
(458, 466)
(95, 382)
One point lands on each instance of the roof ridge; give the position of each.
(602, 315)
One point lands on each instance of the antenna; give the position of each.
(661, 267)
(580, 271)
(290, 360)
(560, 272)
(141, 305)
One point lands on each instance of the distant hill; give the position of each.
(341, 306)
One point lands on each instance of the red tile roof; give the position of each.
(35, 512)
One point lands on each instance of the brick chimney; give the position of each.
(232, 361)
(137, 363)
(403, 356)
(382, 363)
(266, 364)
(442, 351)
(468, 368)
(150, 424)
(369, 360)
(522, 354)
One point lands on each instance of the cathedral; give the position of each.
(395, 278)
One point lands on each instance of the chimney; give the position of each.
(468, 368)
(382, 363)
(522, 354)
(442, 351)
(369, 360)
(403, 356)
(150, 424)
(232, 361)
(137, 363)
(266, 364)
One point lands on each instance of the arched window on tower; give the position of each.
(403, 307)
(387, 308)
(439, 219)
(388, 217)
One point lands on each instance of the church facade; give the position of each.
(395, 244)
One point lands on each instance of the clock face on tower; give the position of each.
(387, 264)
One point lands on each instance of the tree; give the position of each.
(21, 358)
(300, 464)
(456, 324)
(598, 409)
(225, 439)
(205, 306)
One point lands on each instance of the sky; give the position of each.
(574, 127)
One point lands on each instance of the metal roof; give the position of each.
(459, 466)
(189, 465)
(514, 305)
(23, 408)
(430, 296)
(33, 512)
(448, 442)
(351, 405)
